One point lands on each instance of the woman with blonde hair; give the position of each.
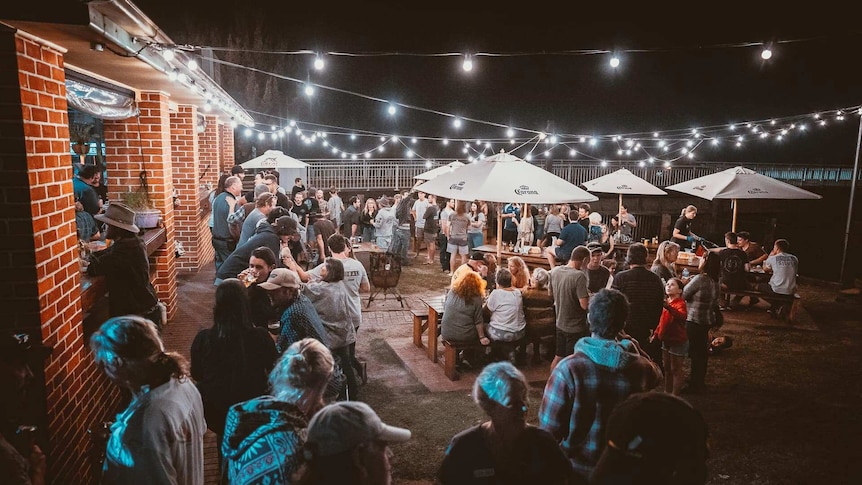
(462, 314)
(520, 272)
(666, 255)
(264, 436)
(159, 437)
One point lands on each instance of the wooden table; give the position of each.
(532, 260)
(435, 316)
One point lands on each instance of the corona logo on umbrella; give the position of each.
(624, 187)
(458, 186)
(525, 190)
(757, 191)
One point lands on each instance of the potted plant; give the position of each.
(146, 216)
(80, 135)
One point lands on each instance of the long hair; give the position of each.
(334, 270)
(520, 272)
(301, 374)
(231, 312)
(469, 285)
(459, 207)
(136, 342)
(661, 258)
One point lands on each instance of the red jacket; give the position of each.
(671, 326)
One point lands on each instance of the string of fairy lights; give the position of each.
(641, 148)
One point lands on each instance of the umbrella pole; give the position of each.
(735, 203)
(499, 229)
(843, 275)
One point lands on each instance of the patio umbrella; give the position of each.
(430, 174)
(741, 183)
(505, 178)
(622, 182)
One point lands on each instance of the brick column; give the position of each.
(143, 144)
(209, 151)
(40, 292)
(225, 135)
(184, 148)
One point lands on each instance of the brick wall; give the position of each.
(184, 152)
(39, 254)
(209, 152)
(143, 144)
(225, 133)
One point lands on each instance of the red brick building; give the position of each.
(180, 147)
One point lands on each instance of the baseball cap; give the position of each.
(477, 256)
(341, 426)
(652, 433)
(594, 246)
(21, 346)
(285, 226)
(281, 278)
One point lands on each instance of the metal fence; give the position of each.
(361, 175)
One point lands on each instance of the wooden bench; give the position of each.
(450, 356)
(420, 325)
(791, 300)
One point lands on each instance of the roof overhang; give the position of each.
(131, 57)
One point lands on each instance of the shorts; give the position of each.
(566, 342)
(456, 249)
(561, 259)
(501, 335)
(430, 237)
(680, 350)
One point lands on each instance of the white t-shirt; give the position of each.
(507, 310)
(419, 208)
(354, 276)
(784, 268)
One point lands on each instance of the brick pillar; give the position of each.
(139, 144)
(184, 149)
(209, 150)
(40, 292)
(225, 135)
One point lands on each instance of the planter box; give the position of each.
(147, 219)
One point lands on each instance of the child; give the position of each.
(506, 307)
(671, 332)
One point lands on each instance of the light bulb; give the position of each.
(510, 133)
(260, 136)
(456, 122)
(318, 63)
(766, 54)
(247, 132)
(615, 62)
(468, 64)
(391, 109)
(168, 54)
(309, 90)
(192, 64)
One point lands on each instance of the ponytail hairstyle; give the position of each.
(302, 372)
(133, 342)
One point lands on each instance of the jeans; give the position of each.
(475, 239)
(222, 251)
(367, 234)
(442, 242)
(400, 244)
(698, 338)
(345, 356)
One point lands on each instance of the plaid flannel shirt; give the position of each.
(300, 320)
(579, 398)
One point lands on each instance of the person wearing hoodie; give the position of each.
(585, 386)
(281, 231)
(264, 436)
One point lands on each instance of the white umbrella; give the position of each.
(741, 183)
(430, 174)
(622, 182)
(505, 178)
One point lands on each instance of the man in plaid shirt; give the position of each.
(585, 387)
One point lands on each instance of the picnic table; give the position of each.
(429, 323)
(532, 260)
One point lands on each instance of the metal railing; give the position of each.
(361, 175)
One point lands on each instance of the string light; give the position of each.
(467, 65)
(192, 64)
(309, 90)
(766, 53)
(391, 110)
(615, 62)
(318, 63)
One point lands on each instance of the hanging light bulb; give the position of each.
(615, 62)
(247, 132)
(391, 110)
(456, 122)
(208, 106)
(572, 152)
(766, 53)
(468, 63)
(192, 64)
(260, 136)
(510, 133)
(309, 90)
(445, 141)
(318, 62)
(168, 54)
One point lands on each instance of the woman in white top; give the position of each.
(505, 304)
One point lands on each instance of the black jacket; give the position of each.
(127, 270)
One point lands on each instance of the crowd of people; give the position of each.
(277, 379)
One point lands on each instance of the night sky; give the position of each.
(687, 86)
